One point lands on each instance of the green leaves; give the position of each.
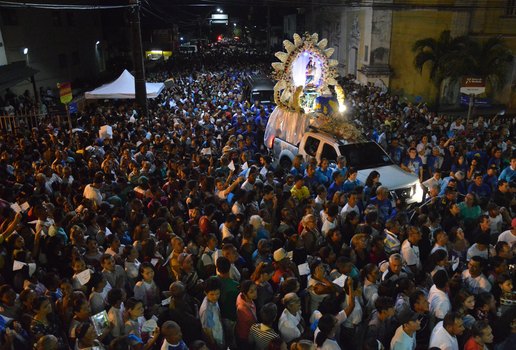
(455, 57)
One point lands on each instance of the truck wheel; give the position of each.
(286, 163)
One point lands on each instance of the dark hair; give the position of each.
(403, 284)
(478, 327)
(366, 270)
(223, 264)
(440, 279)
(499, 246)
(434, 258)
(372, 175)
(483, 299)
(245, 286)
(114, 296)
(36, 304)
(383, 303)
(212, 283)
(326, 325)
(146, 265)
(414, 297)
(268, 313)
(131, 303)
(289, 285)
(449, 319)
(78, 303)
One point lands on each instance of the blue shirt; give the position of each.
(507, 174)
(351, 185)
(414, 164)
(483, 191)
(384, 208)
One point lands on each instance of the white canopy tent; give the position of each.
(123, 87)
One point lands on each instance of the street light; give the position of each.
(181, 38)
(98, 42)
(219, 10)
(25, 51)
(234, 24)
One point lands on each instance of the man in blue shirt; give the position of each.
(413, 164)
(382, 203)
(481, 189)
(509, 174)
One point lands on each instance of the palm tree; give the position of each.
(444, 56)
(490, 60)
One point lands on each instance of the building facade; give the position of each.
(374, 39)
(62, 45)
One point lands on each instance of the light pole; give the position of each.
(139, 68)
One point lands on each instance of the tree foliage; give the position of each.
(455, 57)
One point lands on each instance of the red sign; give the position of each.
(473, 86)
(65, 92)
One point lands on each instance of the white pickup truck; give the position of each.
(365, 156)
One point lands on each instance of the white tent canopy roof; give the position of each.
(123, 88)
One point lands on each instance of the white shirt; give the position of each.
(370, 293)
(439, 302)
(410, 254)
(485, 254)
(402, 341)
(476, 285)
(328, 225)
(495, 224)
(92, 193)
(287, 326)
(507, 236)
(329, 344)
(347, 208)
(441, 339)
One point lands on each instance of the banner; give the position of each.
(65, 92)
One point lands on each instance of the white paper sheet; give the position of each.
(304, 269)
(231, 166)
(84, 277)
(340, 281)
(18, 265)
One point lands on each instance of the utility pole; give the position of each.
(268, 29)
(139, 70)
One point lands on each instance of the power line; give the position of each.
(48, 6)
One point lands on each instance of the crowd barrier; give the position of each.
(26, 120)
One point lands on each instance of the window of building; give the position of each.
(63, 62)
(76, 59)
(511, 8)
(56, 19)
(9, 17)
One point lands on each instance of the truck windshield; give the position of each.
(365, 155)
(263, 96)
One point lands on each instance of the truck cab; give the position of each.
(259, 88)
(364, 156)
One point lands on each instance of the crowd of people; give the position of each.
(177, 231)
